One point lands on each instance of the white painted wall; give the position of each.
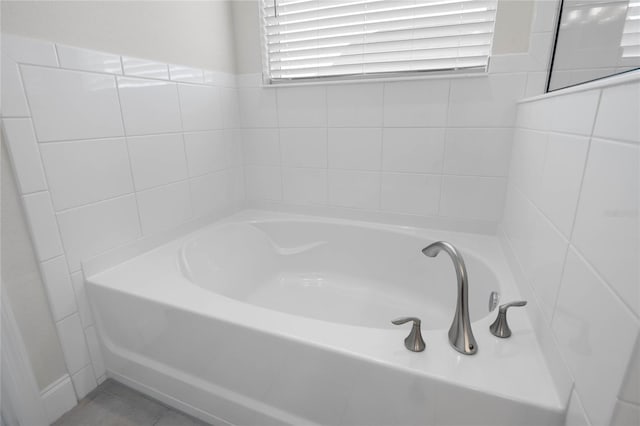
(572, 224)
(195, 33)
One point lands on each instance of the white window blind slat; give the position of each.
(336, 38)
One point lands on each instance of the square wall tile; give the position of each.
(42, 222)
(304, 186)
(144, 68)
(561, 177)
(410, 193)
(576, 415)
(302, 106)
(157, 160)
(538, 245)
(149, 106)
(57, 283)
(574, 113)
(263, 183)
(94, 351)
(626, 414)
(527, 161)
(355, 105)
(416, 103)
(412, 150)
(486, 101)
(261, 146)
(630, 391)
(356, 149)
(164, 207)
(608, 216)
(88, 60)
(72, 104)
(618, 113)
(211, 193)
(90, 230)
(200, 107)
(74, 348)
(25, 156)
(354, 189)
(82, 172)
(186, 74)
(304, 147)
(593, 332)
(84, 382)
(258, 107)
(467, 197)
(233, 139)
(86, 317)
(28, 50)
(230, 108)
(206, 152)
(478, 152)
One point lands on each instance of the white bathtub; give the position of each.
(267, 318)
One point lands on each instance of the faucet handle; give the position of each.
(500, 327)
(494, 299)
(414, 341)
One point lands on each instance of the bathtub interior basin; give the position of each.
(339, 273)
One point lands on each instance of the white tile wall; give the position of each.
(72, 105)
(449, 137)
(358, 105)
(304, 147)
(42, 222)
(164, 207)
(102, 159)
(200, 107)
(88, 60)
(73, 343)
(304, 185)
(89, 230)
(355, 149)
(574, 188)
(84, 382)
(57, 283)
(149, 106)
(144, 68)
(416, 104)
(157, 160)
(302, 107)
(82, 172)
(413, 149)
(23, 149)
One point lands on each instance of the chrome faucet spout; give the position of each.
(460, 333)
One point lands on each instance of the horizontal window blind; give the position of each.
(307, 39)
(630, 41)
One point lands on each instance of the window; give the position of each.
(310, 39)
(630, 42)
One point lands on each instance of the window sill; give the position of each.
(377, 79)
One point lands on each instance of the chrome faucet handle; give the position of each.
(500, 327)
(494, 299)
(414, 341)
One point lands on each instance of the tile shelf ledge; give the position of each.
(615, 80)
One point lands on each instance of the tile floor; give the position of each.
(113, 404)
